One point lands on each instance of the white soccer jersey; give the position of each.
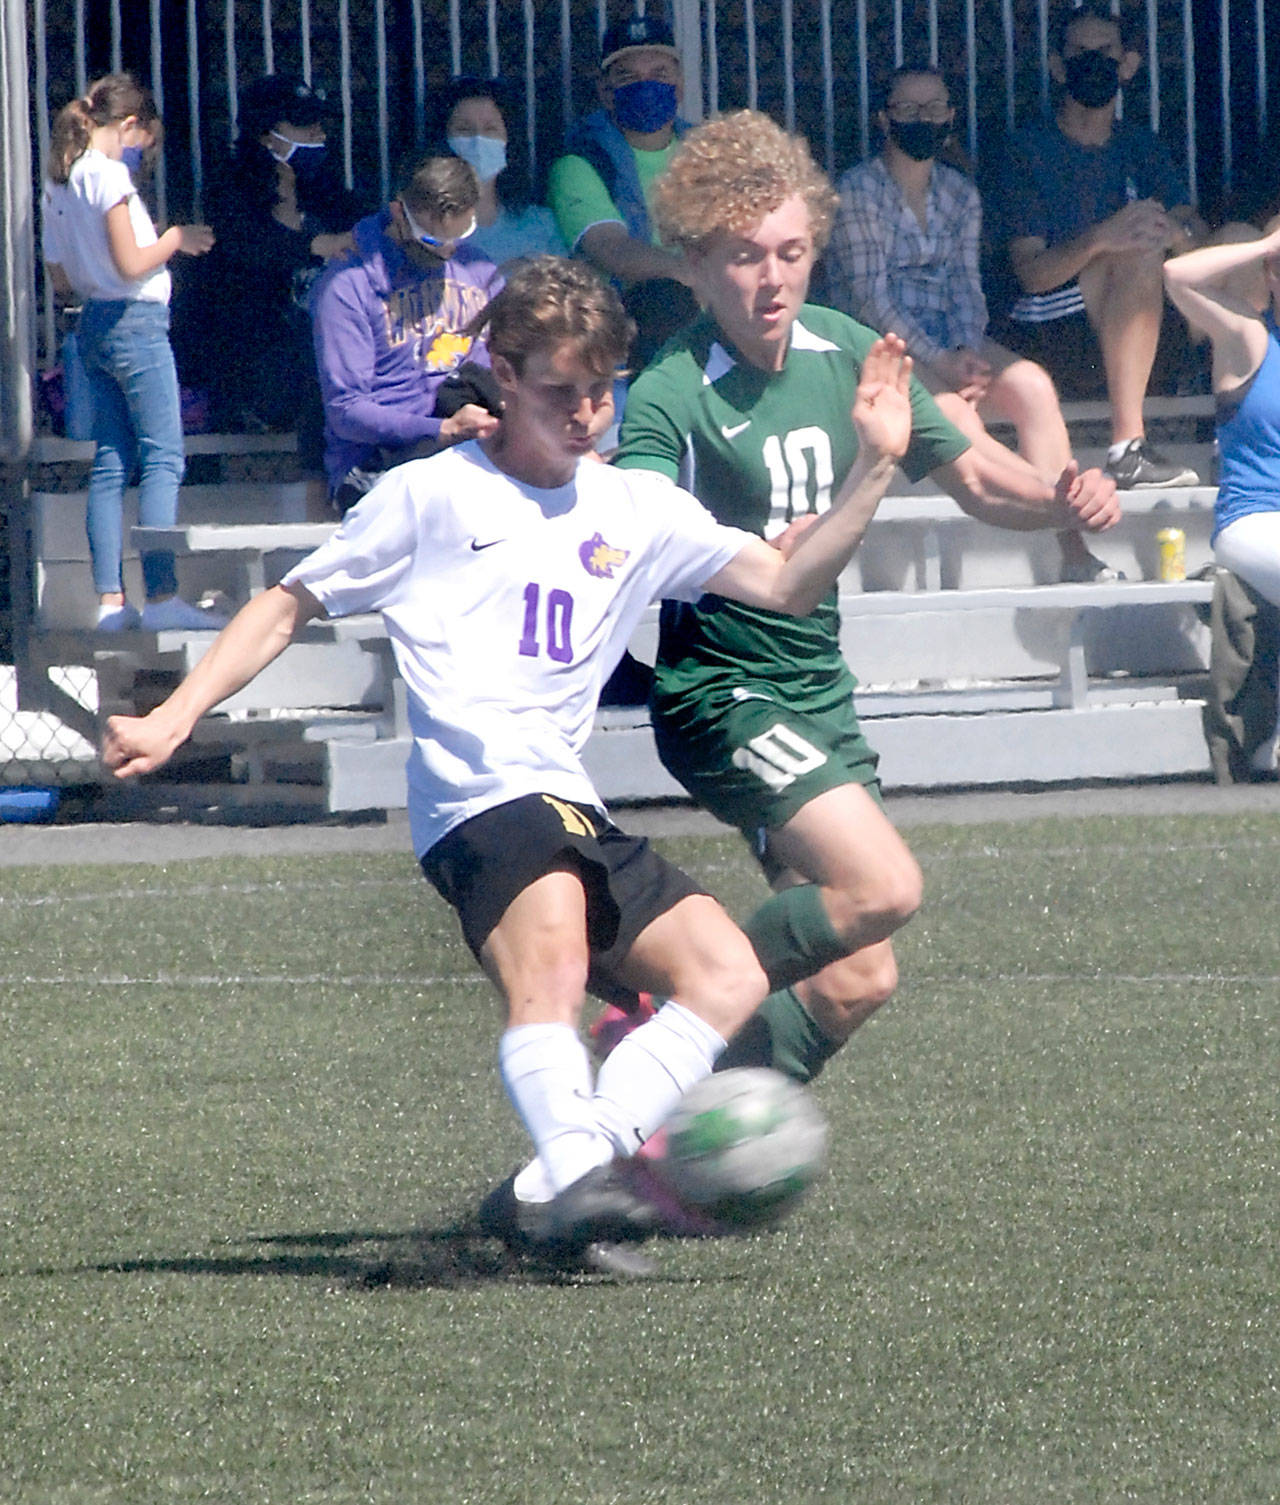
(508, 607)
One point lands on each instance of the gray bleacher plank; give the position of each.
(53, 449)
(234, 538)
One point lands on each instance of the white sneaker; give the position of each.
(117, 618)
(176, 614)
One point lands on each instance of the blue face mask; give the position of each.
(485, 155)
(305, 157)
(431, 241)
(132, 157)
(644, 106)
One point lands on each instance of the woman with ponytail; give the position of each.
(101, 247)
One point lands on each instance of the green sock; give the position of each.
(793, 937)
(784, 1035)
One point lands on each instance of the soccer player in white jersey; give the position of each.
(510, 572)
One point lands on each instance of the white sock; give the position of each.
(547, 1074)
(1119, 448)
(650, 1070)
(532, 1184)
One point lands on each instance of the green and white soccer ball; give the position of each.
(743, 1146)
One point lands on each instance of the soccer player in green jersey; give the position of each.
(748, 407)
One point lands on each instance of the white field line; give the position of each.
(477, 979)
(244, 979)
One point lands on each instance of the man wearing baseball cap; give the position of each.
(599, 190)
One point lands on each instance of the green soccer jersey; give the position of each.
(759, 449)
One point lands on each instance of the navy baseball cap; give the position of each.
(279, 97)
(634, 33)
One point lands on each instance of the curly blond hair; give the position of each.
(729, 173)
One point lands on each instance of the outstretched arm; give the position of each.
(1012, 495)
(794, 581)
(258, 633)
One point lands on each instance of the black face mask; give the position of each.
(1093, 78)
(920, 139)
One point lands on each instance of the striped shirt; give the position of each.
(887, 270)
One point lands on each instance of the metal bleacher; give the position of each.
(977, 667)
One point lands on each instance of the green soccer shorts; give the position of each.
(753, 761)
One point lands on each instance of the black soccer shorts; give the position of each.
(484, 863)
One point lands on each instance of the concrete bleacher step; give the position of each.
(978, 667)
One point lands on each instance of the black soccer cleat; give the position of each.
(524, 1227)
(521, 1226)
(606, 1205)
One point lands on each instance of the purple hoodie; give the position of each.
(386, 335)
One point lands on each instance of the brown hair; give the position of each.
(115, 97)
(548, 300)
(728, 173)
(437, 186)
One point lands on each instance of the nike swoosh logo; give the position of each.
(476, 545)
(731, 431)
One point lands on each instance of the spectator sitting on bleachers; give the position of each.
(903, 256)
(390, 321)
(600, 189)
(469, 116)
(242, 330)
(1213, 286)
(1091, 205)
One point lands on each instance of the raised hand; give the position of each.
(882, 405)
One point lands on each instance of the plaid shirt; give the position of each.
(888, 272)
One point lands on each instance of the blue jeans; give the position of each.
(137, 420)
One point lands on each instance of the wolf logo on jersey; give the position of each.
(600, 559)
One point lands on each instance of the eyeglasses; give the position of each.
(936, 113)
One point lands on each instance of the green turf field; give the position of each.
(246, 1104)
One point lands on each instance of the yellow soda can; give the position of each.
(1172, 543)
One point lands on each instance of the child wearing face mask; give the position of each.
(101, 247)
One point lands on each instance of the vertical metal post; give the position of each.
(344, 88)
(753, 81)
(530, 84)
(971, 74)
(380, 63)
(233, 75)
(17, 337)
(419, 78)
(491, 29)
(1153, 66)
(1010, 76)
(42, 129)
(1224, 89)
(82, 58)
(864, 102)
(788, 66)
(828, 91)
(713, 59)
(157, 90)
(304, 25)
(268, 40)
(455, 38)
(193, 108)
(1189, 75)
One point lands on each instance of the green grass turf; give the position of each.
(243, 1104)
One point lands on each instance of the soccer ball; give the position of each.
(743, 1146)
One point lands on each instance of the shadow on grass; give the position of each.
(453, 1256)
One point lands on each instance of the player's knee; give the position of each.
(726, 989)
(874, 909)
